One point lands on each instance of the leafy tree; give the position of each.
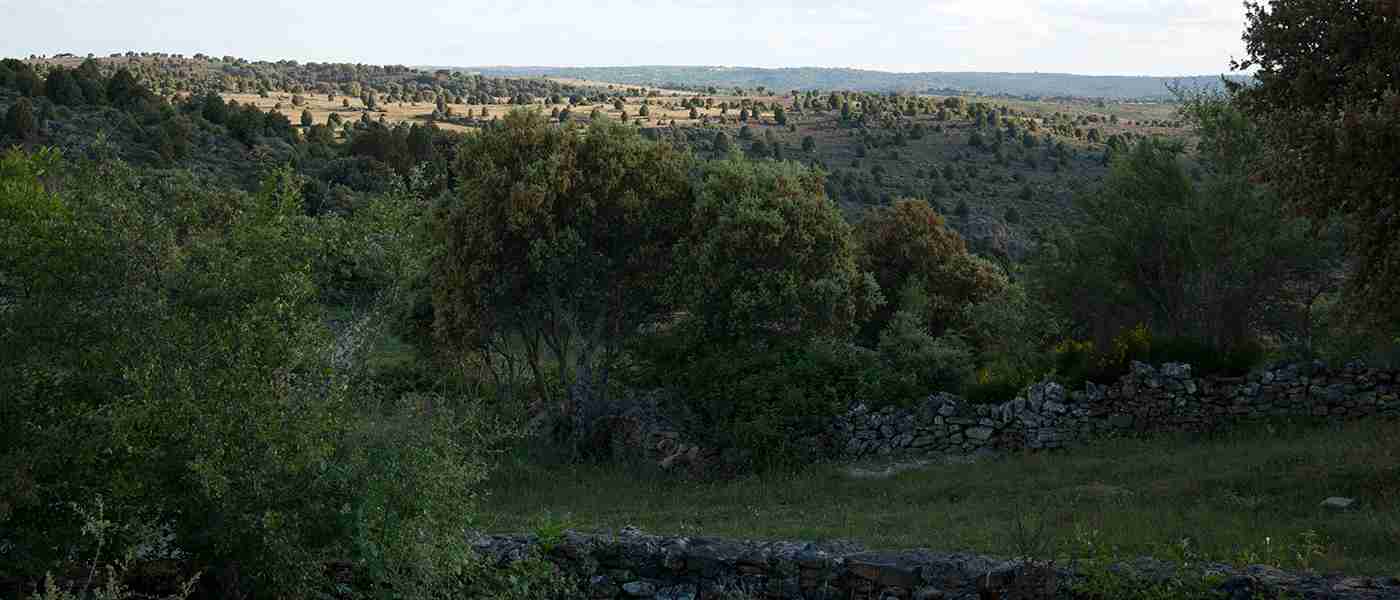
(808, 144)
(180, 370)
(557, 244)
(1203, 261)
(124, 91)
(19, 120)
(306, 119)
(759, 149)
(1326, 107)
(909, 243)
(744, 115)
(62, 88)
(721, 143)
(769, 255)
(780, 115)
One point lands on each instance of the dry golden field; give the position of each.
(662, 111)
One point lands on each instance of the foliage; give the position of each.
(933, 364)
(1013, 334)
(909, 242)
(162, 349)
(754, 399)
(767, 253)
(558, 244)
(1206, 260)
(1325, 99)
(19, 120)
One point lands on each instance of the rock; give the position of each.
(928, 593)
(979, 433)
(680, 592)
(639, 589)
(1338, 503)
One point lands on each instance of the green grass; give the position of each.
(1244, 497)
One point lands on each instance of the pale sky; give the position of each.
(1093, 37)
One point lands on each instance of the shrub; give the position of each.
(931, 363)
(163, 350)
(755, 400)
(910, 242)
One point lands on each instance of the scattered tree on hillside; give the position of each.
(19, 120)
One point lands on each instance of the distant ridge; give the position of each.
(1118, 87)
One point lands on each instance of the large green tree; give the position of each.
(1206, 260)
(768, 253)
(1325, 97)
(557, 246)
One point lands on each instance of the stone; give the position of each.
(680, 592)
(979, 433)
(1338, 503)
(928, 593)
(639, 589)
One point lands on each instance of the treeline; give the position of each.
(86, 112)
(199, 74)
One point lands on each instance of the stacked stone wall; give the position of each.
(1146, 400)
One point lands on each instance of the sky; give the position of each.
(1091, 37)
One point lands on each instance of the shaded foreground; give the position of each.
(1249, 497)
(632, 564)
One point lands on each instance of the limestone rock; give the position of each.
(1338, 503)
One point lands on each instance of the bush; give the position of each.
(929, 363)
(756, 399)
(163, 350)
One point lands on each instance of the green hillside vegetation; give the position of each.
(244, 350)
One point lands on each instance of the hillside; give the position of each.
(1036, 85)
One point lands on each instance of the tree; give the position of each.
(179, 370)
(909, 243)
(1325, 104)
(306, 119)
(19, 120)
(557, 245)
(62, 88)
(808, 144)
(721, 144)
(1205, 261)
(124, 91)
(744, 115)
(769, 255)
(780, 115)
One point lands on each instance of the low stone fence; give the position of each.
(639, 566)
(1148, 399)
(1045, 415)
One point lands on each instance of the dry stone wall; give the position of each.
(1148, 399)
(633, 565)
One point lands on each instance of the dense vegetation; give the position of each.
(257, 347)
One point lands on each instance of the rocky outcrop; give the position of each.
(1149, 399)
(632, 564)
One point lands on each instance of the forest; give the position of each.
(258, 319)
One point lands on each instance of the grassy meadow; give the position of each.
(1247, 497)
